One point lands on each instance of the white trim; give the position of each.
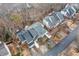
(59, 17)
(26, 27)
(63, 12)
(20, 39)
(47, 35)
(41, 24)
(36, 44)
(0, 42)
(9, 54)
(50, 19)
(56, 24)
(74, 10)
(46, 23)
(31, 46)
(31, 41)
(67, 5)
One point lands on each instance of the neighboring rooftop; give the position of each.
(27, 36)
(4, 51)
(69, 11)
(53, 20)
(31, 34)
(39, 28)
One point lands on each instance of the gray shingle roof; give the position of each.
(69, 10)
(39, 28)
(27, 35)
(20, 35)
(60, 16)
(3, 50)
(31, 34)
(52, 20)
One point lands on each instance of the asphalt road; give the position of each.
(63, 44)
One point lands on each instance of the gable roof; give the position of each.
(4, 51)
(38, 27)
(69, 11)
(53, 20)
(27, 35)
(30, 35)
